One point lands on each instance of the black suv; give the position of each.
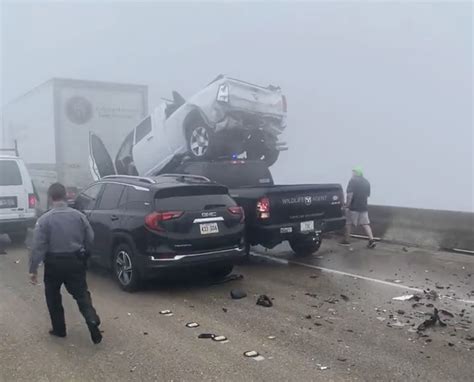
(143, 225)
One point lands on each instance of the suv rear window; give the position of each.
(10, 173)
(192, 198)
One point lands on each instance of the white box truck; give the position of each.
(52, 123)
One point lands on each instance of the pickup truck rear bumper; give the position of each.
(272, 235)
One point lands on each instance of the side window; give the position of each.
(111, 196)
(86, 200)
(143, 129)
(137, 200)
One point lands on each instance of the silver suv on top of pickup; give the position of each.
(227, 118)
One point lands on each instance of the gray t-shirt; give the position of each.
(360, 189)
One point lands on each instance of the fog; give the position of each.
(387, 86)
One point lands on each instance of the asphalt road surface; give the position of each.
(333, 319)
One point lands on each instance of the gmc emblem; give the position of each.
(308, 200)
(208, 214)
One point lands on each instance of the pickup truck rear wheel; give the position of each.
(304, 248)
(199, 138)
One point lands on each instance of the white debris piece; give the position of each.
(405, 297)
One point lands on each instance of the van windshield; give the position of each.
(9, 173)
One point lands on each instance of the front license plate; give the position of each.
(209, 228)
(286, 230)
(307, 226)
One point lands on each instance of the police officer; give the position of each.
(62, 237)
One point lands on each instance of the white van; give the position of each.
(18, 199)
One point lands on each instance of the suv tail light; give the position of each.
(31, 201)
(237, 210)
(263, 208)
(153, 220)
(283, 103)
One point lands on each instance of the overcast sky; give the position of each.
(387, 86)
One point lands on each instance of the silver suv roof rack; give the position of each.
(186, 176)
(131, 177)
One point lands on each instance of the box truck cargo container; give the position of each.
(52, 123)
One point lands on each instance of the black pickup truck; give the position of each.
(298, 214)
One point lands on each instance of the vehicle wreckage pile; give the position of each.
(228, 119)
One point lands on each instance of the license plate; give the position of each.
(209, 228)
(307, 226)
(286, 230)
(9, 202)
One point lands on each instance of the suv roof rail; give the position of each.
(130, 177)
(186, 176)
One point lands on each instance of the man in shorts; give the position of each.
(358, 191)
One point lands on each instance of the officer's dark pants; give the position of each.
(69, 270)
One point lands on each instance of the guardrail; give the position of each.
(449, 230)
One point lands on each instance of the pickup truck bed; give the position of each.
(276, 213)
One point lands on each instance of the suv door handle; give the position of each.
(114, 217)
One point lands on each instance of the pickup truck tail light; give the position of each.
(223, 93)
(31, 201)
(153, 220)
(237, 210)
(283, 103)
(263, 208)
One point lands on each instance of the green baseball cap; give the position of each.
(358, 171)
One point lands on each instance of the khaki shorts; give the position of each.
(357, 218)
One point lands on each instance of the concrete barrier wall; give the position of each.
(425, 228)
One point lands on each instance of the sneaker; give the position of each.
(371, 244)
(96, 335)
(344, 242)
(57, 334)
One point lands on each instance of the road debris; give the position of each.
(237, 294)
(405, 297)
(145, 333)
(396, 324)
(254, 355)
(331, 300)
(308, 316)
(221, 339)
(192, 325)
(344, 297)
(206, 336)
(17, 261)
(167, 313)
(434, 318)
(271, 337)
(264, 300)
(313, 295)
(400, 311)
(445, 312)
(224, 310)
(342, 359)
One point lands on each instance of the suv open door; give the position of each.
(100, 161)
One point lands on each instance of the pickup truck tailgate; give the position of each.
(255, 99)
(306, 202)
